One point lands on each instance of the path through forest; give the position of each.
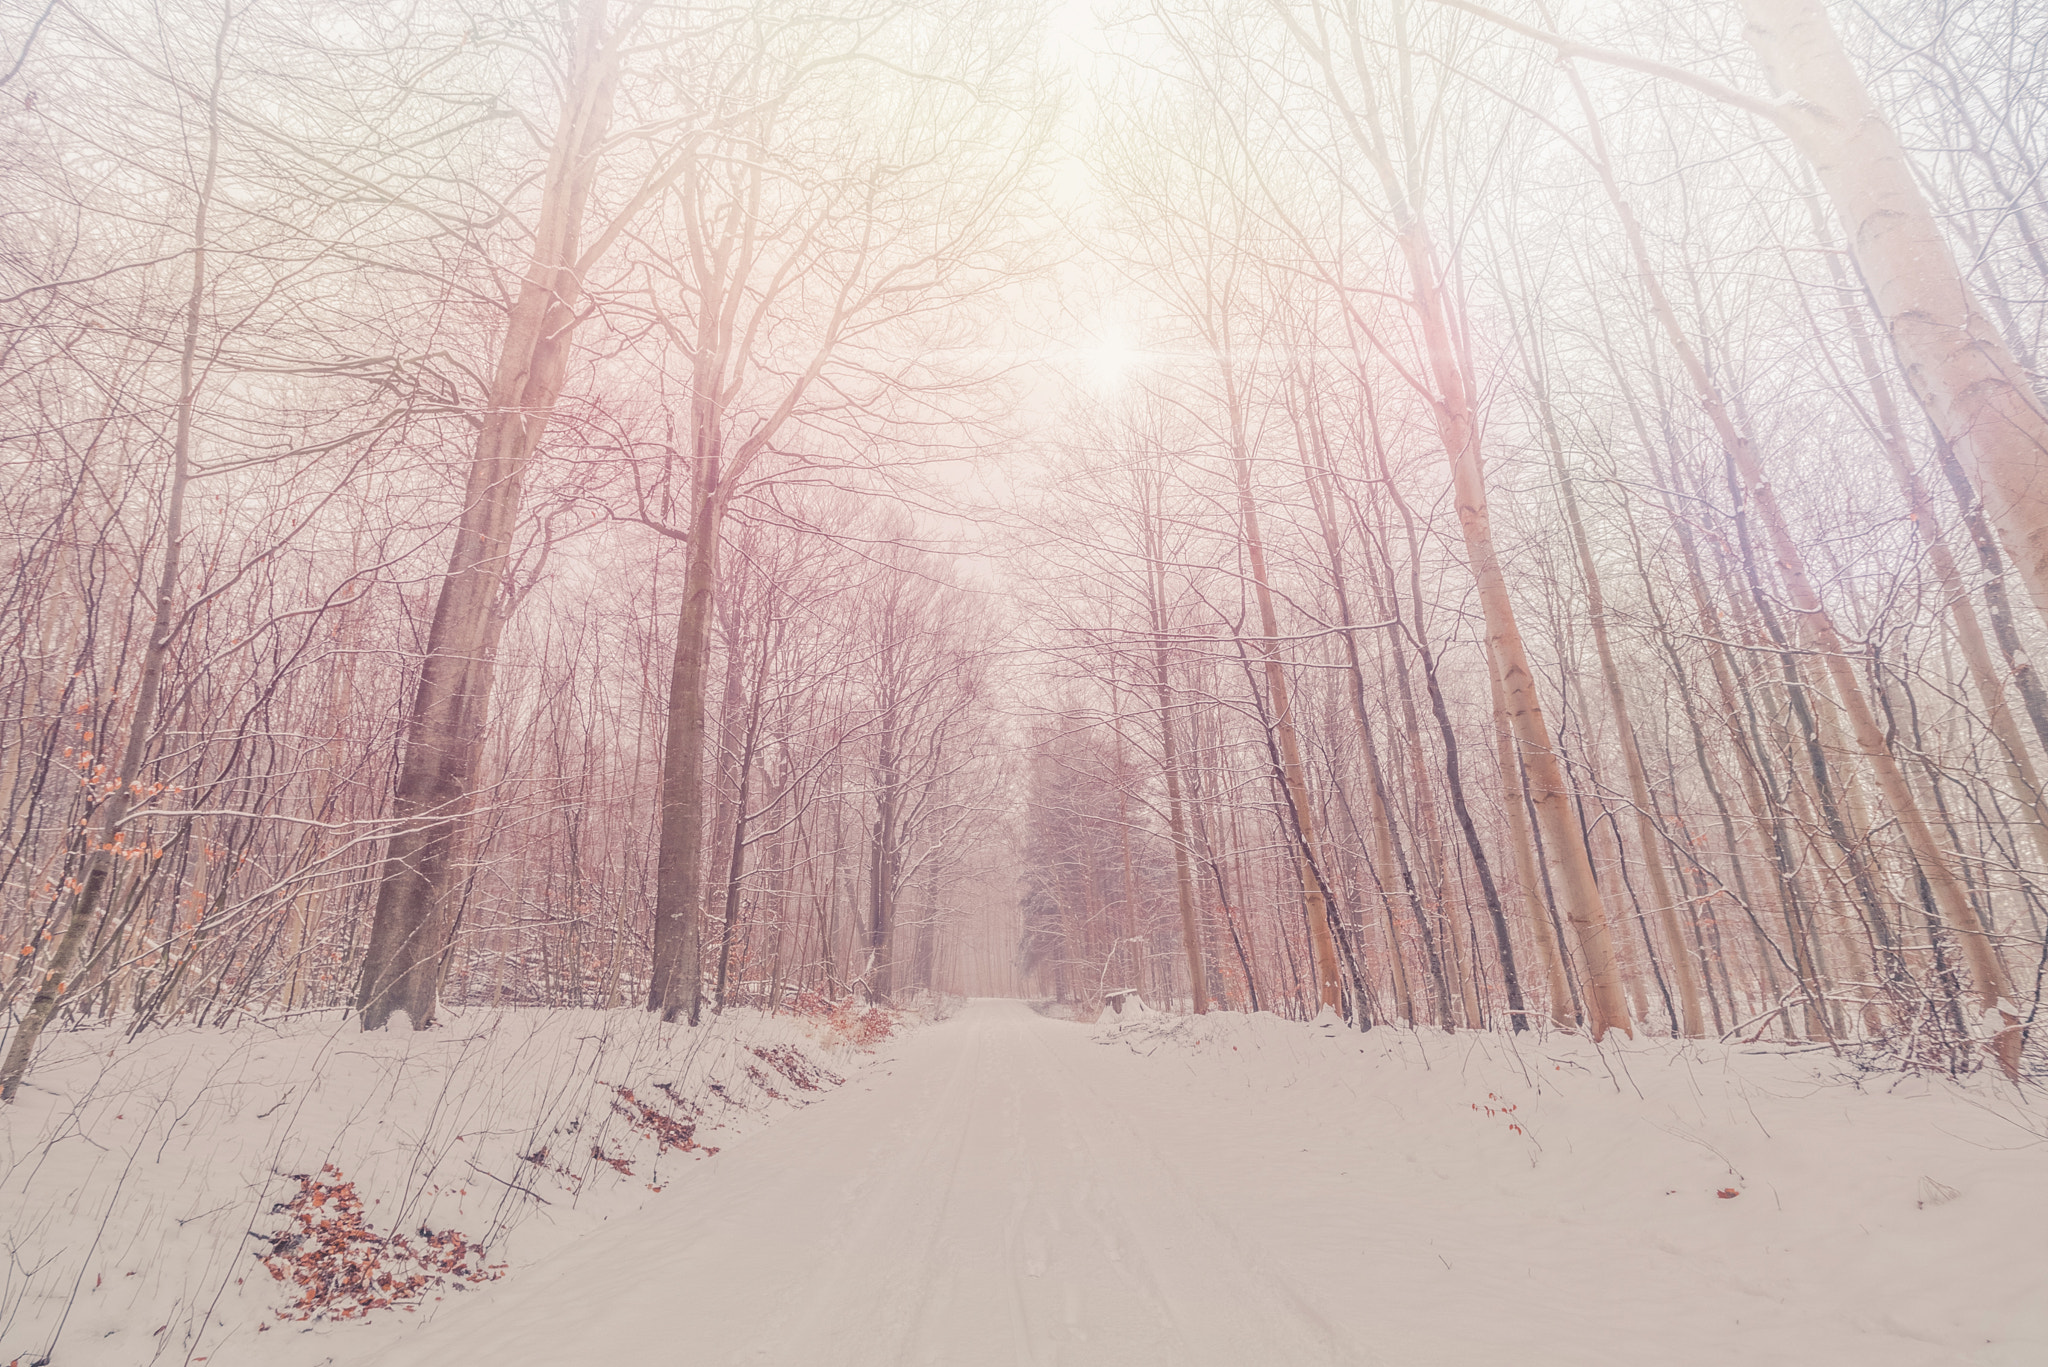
(1011, 1189)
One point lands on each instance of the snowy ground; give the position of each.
(1004, 1188)
(135, 1175)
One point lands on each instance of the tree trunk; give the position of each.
(1449, 393)
(1458, 430)
(1425, 910)
(1955, 359)
(1329, 983)
(883, 857)
(1386, 857)
(1647, 835)
(106, 844)
(2021, 776)
(675, 986)
(1563, 1012)
(444, 731)
(735, 867)
(1176, 818)
(1994, 989)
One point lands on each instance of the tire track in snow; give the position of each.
(1220, 1280)
(982, 1203)
(851, 1295)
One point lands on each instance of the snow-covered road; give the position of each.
(1009, 1189)
(987, 1198)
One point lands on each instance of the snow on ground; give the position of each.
(134, 1174)
(1006, 1188)
(1483, 1198)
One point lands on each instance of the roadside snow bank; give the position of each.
(143, 1183)
(1687, 1203)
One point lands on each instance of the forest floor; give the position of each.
(1004, 1188)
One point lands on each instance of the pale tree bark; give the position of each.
(1713, 945)
(1323, 494)
(1314, 447)
(1665, 907)
(1956, 361)
(1563, 1012)
(736, 853)
(1428, 892)
(1761, 793)
(1329, 984)
(1994, 988)
(1125, 924)
(1451, 398)
(1423, 824)
(1416, 630)
(884, 843)
(2021, 775)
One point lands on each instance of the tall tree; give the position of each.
(445, 727)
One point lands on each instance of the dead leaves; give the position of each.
(846, 1021)
(666, 1130)
(342, 1268)
(801, 1072)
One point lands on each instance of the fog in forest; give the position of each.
(1425, 521)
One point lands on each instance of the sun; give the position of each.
(1106, 361)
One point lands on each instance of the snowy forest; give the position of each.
(581, 576)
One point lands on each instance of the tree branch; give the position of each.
(1772, 110)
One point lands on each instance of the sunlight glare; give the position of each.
(1109, 359)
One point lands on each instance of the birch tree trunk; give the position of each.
(1563, 1012)
(1665, 907)
(884, 855)
(1329, 984)
(1994, 988)
(736, 854)
(2021, 776)
(1955, 359)
(1450, 395)
(1386, 858)
(1457, 429)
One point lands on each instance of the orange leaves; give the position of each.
(343, 1269)
(846, 1020)
(801, 1072)
(760, 1079)
(1728, 1193)
(668, 1131)
(1495, 1105)
(618, 1165)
